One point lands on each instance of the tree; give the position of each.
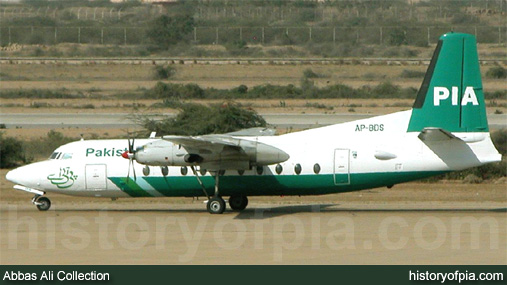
(165, 31)
(196, 119)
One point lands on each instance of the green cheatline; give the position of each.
(129, 186)
(257, 185)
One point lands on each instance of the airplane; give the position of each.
(446, 130)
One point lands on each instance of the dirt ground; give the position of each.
(112, 78)
(414, 223)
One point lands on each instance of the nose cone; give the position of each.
(14, 176)
(27, 175)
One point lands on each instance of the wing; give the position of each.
(226, 151)
(253, 132)
(209, 141)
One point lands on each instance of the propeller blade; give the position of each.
(128, 173)
(134, 170)
(130, 146)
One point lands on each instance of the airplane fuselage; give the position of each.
(352, 156)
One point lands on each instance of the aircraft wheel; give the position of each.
(44, 204)
(238, 202)
(216, 205)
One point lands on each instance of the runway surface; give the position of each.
(289, 234)
(414, 223)
(122, 120)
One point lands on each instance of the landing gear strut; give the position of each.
(42, 203)
(215, 205)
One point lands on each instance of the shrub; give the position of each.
(164, 72)
(406, 73)
(317, 106)
(497, 72)
(309, 73)
(242, 89)
(499, 139)
(38, 93)
(165, 91)
(11, 152)
(472, 179)
(386, 89)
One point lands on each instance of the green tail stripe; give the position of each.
(451, 95)
(129, 186)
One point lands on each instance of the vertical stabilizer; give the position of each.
(451, 95)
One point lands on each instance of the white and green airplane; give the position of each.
(446, 130)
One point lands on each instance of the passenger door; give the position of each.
(341, 166)
(96, 177)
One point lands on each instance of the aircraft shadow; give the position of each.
(259, 213)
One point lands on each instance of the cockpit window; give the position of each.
(67, 156)
(60, 155)
(54, 155)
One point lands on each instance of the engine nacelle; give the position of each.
(248, 153)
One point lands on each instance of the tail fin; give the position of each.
(451, 96)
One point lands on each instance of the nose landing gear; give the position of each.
(42, 203)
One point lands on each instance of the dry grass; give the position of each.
(124, 77)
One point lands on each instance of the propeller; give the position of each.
(130, 155)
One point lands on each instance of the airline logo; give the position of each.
(442, 93)
(64, 179)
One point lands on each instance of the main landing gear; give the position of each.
(238, 202)
(216, 204)
(42, 203)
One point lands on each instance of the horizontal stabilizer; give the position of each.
(436, 135)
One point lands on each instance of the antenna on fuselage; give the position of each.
(82, 138)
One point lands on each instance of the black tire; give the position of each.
(45, 204)
(216, 205)
(238, 202)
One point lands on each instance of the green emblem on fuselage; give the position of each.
(64, 179)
